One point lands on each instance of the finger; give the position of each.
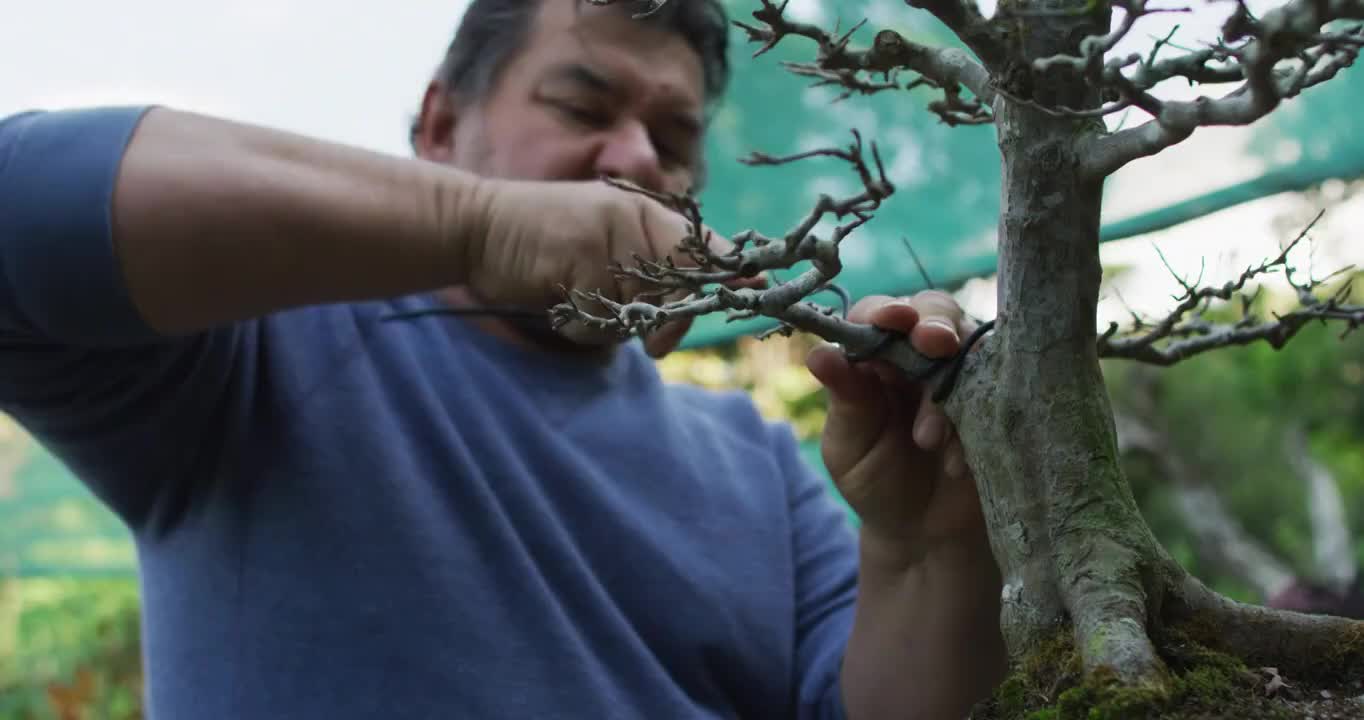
(858, 407)
(757, 282)
(884, 311)
(932, 430)
(583, 334)
(940, 323)
(666, 339)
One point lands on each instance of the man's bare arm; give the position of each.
(925, 643)
(216, 221)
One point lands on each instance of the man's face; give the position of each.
(591, 93)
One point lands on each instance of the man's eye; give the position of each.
(583, 115)
(674, 153)
(671, 156)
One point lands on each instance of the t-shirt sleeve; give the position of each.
(59, 277)
(128, 411)
(825, 561)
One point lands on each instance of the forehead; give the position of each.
(636, 53)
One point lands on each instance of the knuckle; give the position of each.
(935, 298)
(871, 302)
(937, 302)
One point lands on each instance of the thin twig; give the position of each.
(1274, 58)
(928, 281)
(837, 63)
(1178, 337)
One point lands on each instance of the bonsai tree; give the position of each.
(1098, 618)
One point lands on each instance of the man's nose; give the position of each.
(628, 153)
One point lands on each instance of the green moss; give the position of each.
(1342, 661)
(1030, 691)
(1346, 656)
(1049, 685)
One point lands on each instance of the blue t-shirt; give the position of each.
(339, 516)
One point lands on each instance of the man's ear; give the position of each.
(433, 136)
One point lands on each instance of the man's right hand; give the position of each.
(535, 237)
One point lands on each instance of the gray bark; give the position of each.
(1064, 526)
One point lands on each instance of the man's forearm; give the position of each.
(216, 221)
(925, 642)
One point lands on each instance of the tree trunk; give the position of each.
(1064, 525)
(1079, 563)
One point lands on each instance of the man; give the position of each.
(347, 508)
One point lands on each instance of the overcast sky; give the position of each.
(346, 70)
(353, 71)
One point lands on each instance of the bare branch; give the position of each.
(1277, 58)
(752, 254)
(1193, 66)
(849, 80)
(1095, 47)
(838, 64)
(964, 18)
(1194, 335)
(928, 281)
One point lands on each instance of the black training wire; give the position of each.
(945, 389)
(953, 363)
(489, 310)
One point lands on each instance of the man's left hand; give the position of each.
(891, 451)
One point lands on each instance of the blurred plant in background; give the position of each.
(1244, 422)
(69, 649)
(771, 371)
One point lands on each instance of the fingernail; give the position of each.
(940, 324)
(928, 433)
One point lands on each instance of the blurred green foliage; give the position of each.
(1228, 414)
(69, 649)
